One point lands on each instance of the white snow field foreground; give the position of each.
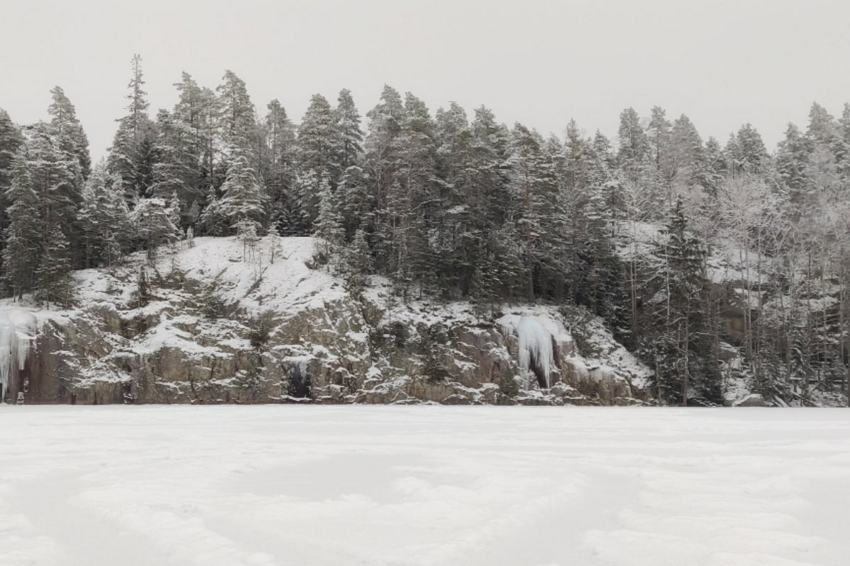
(274, 485)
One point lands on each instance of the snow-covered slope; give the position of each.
(215, 322)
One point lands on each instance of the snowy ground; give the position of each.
(263, 485)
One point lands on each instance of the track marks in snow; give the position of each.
(422, 486)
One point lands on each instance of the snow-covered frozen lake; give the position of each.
(264, 485)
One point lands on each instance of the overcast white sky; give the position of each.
(539, 62)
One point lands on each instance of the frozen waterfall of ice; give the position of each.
(535, 343)
(18, 328)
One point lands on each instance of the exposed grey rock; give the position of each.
(322, 348)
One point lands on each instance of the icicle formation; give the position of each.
(18, 328)
(535, 347)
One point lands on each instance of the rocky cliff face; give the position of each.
(215, 323)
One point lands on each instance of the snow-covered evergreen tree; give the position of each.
(746, 152)
(318, 155)
(683, 366)
(329, 229)
(236, 121)
(54, 285)
(11, 140)
(23, 234)
(241, 196)
(280, 173)
(58, 182)
(104, 219)
(69, 131)
(153, 221)
(348, 129)
(357, 264)
(176, 170)
(131, 155)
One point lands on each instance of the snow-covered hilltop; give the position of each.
(215, 323)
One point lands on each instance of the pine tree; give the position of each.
(715, 165)
(23, 235)
(153, 221)
(381, 161)
(69, 131)
(350, 142)
(746, 152)
(131, 154)
(54, 285)
(679, 348)
(329, 230)
(578, 185)
(659, 136)
(58, 182)
(105, 220)
(634, 145)
(493, 210)
(412, 203)
(842, 143)
(357, 264)
(212, 176)
(176, 170)
(236, 122)
(456, 235)
(822, 129)
(541, 214)
(11, 140)
(791, 163)
(242, 197)
(305, 205)
(689, 167)
(356, 202)
(281, 174)
(318, 153)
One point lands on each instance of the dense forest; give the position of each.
(459, 207)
